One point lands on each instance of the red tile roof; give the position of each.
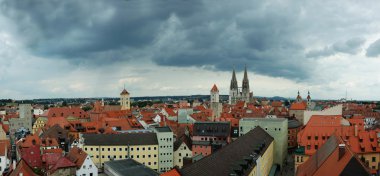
(214, 88)
(124, 92)
(276, 103)
(173, 172)
(4, 147)
(77, 156)
(298, 106)
(23, 168)
(333, 158)
(62, 162)
(65, 112)
(29, 141)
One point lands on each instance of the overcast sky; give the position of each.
(92, 48)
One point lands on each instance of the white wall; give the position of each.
(183, 150)
(87, 167)
(336, 110)
(38, 111)
(3, 161)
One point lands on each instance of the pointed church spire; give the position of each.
(245, 79)
(308, 95)
(233, 80)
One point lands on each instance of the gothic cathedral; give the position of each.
(240, 93)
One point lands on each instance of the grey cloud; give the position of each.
(271, 38)
(351, 46)
(374, 49)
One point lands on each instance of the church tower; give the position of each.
(308, 100)
(299, 98)
(245, 87)
(214, 94)
(234, 90)
(214, 103)
(125, 100)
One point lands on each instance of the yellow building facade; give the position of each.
(39, 123)
(264, 163)
(371, 160)
(144, 154)
(142, 147)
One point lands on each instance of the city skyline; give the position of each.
(164, 48)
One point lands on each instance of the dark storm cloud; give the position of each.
(352, 46)
(75, 29)
(270, 38)
(374, 49)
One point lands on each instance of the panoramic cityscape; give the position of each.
(189, 88)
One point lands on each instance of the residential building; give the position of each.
(142, 147)
(3, 134)
(182, 149)
(333, 158)
(128, 167)
(3, 155)
(294, 126)
(335, 110)
(240, 95)
(184, 116)
(61, 135)
(25, 111)
(39, 123)
(24, 120)
(165, 148)
(84, 165)
(22, 169)
(208, 137)
(277, 128)
(31, 155)
(65, 112)
(250, 154)
(125, 100)
(320, 128)
(62, 166)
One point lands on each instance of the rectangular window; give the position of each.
(373, 159)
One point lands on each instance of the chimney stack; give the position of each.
(342, 150)
(14, 164)
(356, 130)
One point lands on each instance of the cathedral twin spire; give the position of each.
(234, 83)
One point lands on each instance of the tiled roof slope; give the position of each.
(221, 129)
(332, 159)
(222, 161)
(22, 168)
(77, 156)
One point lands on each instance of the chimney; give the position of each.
(356, 130)
(14, 164)
(342, 150)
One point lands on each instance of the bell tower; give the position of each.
(125, 100)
